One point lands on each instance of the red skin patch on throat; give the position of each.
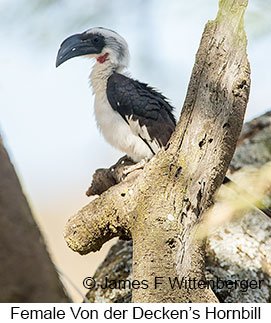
(102, 59)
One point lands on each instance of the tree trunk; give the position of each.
(161, 206)
(239, 250)
(27, 273)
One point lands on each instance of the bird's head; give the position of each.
(100, 43)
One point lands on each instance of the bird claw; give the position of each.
(129, 169)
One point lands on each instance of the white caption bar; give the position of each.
(17, 312)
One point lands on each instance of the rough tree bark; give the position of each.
(239, 250)
(27, 273)
(161, 206)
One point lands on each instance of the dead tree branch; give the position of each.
(239, 250)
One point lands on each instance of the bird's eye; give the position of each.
(96, 39)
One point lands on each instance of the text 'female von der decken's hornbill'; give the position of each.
(132, 116)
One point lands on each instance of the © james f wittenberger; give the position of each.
(174, 283)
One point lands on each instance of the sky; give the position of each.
(46, 114)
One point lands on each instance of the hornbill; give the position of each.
(132, 116)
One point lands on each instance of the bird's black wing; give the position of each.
(140, 105)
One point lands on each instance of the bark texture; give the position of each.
(161, 206)
(239, 250)
(27, 273)
(254, 145)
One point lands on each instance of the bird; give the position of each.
(132, 116)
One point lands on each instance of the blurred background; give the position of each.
(46, 114)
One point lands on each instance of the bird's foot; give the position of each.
(140, 165)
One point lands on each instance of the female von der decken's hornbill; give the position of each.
(132, 116)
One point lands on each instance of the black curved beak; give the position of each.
(73, 46)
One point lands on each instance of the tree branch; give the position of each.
(27, 273)
(236, 251)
